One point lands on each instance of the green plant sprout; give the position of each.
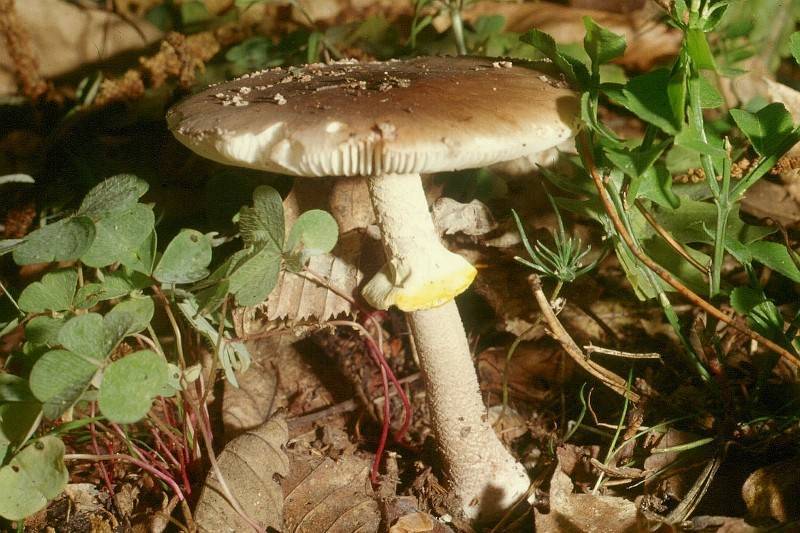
(88, 331)
(565, 262)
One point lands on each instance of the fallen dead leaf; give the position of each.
(771, 491)
(451, 216)
(250, 465)
(584, 513)
(327, 495)
(779, 202)
(65, 37)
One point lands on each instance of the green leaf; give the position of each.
(765, 129)
(133, 314)
(646, 97)
(14, 389)
(233, 355)
(55, 292)
(775, 256)
(315, 232)
(656, 186)
(255, 278)
(43, 330)
(18, 419)
(34, 476)
(65, 240)
(87, 336)
(119, 237)
(574, 70)
(113, 196)
(145, 259)
(601, 44)
(761, 313)
(186, 258)
(709, 96)
(130, 384)
(263, 223)
(794, 44)
(58, 379)
(698, 49)
(114, 285)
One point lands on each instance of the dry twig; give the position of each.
(557, 331)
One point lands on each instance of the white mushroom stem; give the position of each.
(480, 471)
(420, 272)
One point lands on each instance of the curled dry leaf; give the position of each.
(65, 37)
(450, 216)
(649, 40)
(250, 465)
(418, 523)
(325, 495)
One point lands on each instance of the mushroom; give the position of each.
(389, 122)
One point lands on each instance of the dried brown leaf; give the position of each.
(250, 465)
(771, 491)
(64, 37)
(584, 513)
(326, 495)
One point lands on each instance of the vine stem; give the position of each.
(588, 159)
(128, 459)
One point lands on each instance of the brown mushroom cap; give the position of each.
(427, 114)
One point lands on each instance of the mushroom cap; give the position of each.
(428, 114)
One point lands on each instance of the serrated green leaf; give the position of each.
(262, 224)
(130, 316)
(65, 240)
(58, 379)
(55, 292)
(766, 129)
(130, 384)
(255, 278)
(87, 336)
(315, 232)
(113, 196)
(186, 258)
(601, 44)
(119, 237)
(35, 475)
(775, 256)
(43, 330)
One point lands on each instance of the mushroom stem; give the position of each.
(481, 472)
(420, 272)
(423, 277)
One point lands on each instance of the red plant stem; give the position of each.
(163, 449)
(128, 459)
(377, 355)
(376, 462)
(381, 360)
(96, 447)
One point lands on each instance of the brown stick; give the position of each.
(666, 276)
(557, 331)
